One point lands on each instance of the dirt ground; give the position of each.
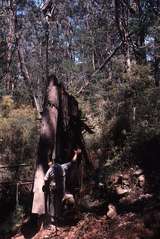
(126, 226)
(130, 211)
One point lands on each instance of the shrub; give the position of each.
(7, 105)
(18, 134)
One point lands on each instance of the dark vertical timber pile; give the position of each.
(69, 137)
(61, 133)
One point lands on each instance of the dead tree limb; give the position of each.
(101, 67)
(107, 59)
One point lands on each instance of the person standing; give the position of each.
(54, 186)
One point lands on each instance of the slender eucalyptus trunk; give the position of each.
(28, 81)
(157, 62)
(11, 40)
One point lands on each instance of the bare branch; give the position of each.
(107, 59)
(101, 67)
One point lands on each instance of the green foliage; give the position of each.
(125, 114)
(7, 105)
(18, 132)
(144, 123)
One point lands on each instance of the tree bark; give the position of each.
(157, 62)
(47, 145)
(60, 134)
(11, 40)
(28, 81)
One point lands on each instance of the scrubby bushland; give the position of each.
(18, 132)
(125, 115)
(18, 146)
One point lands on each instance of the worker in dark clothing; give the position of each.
(55, 186)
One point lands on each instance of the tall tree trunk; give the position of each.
(157, 62)
(9, 83)
(93, 51)
(47, 145)
(47, 45)
(61, 133)
(28, 81)
(121, 19)
(141, 35)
